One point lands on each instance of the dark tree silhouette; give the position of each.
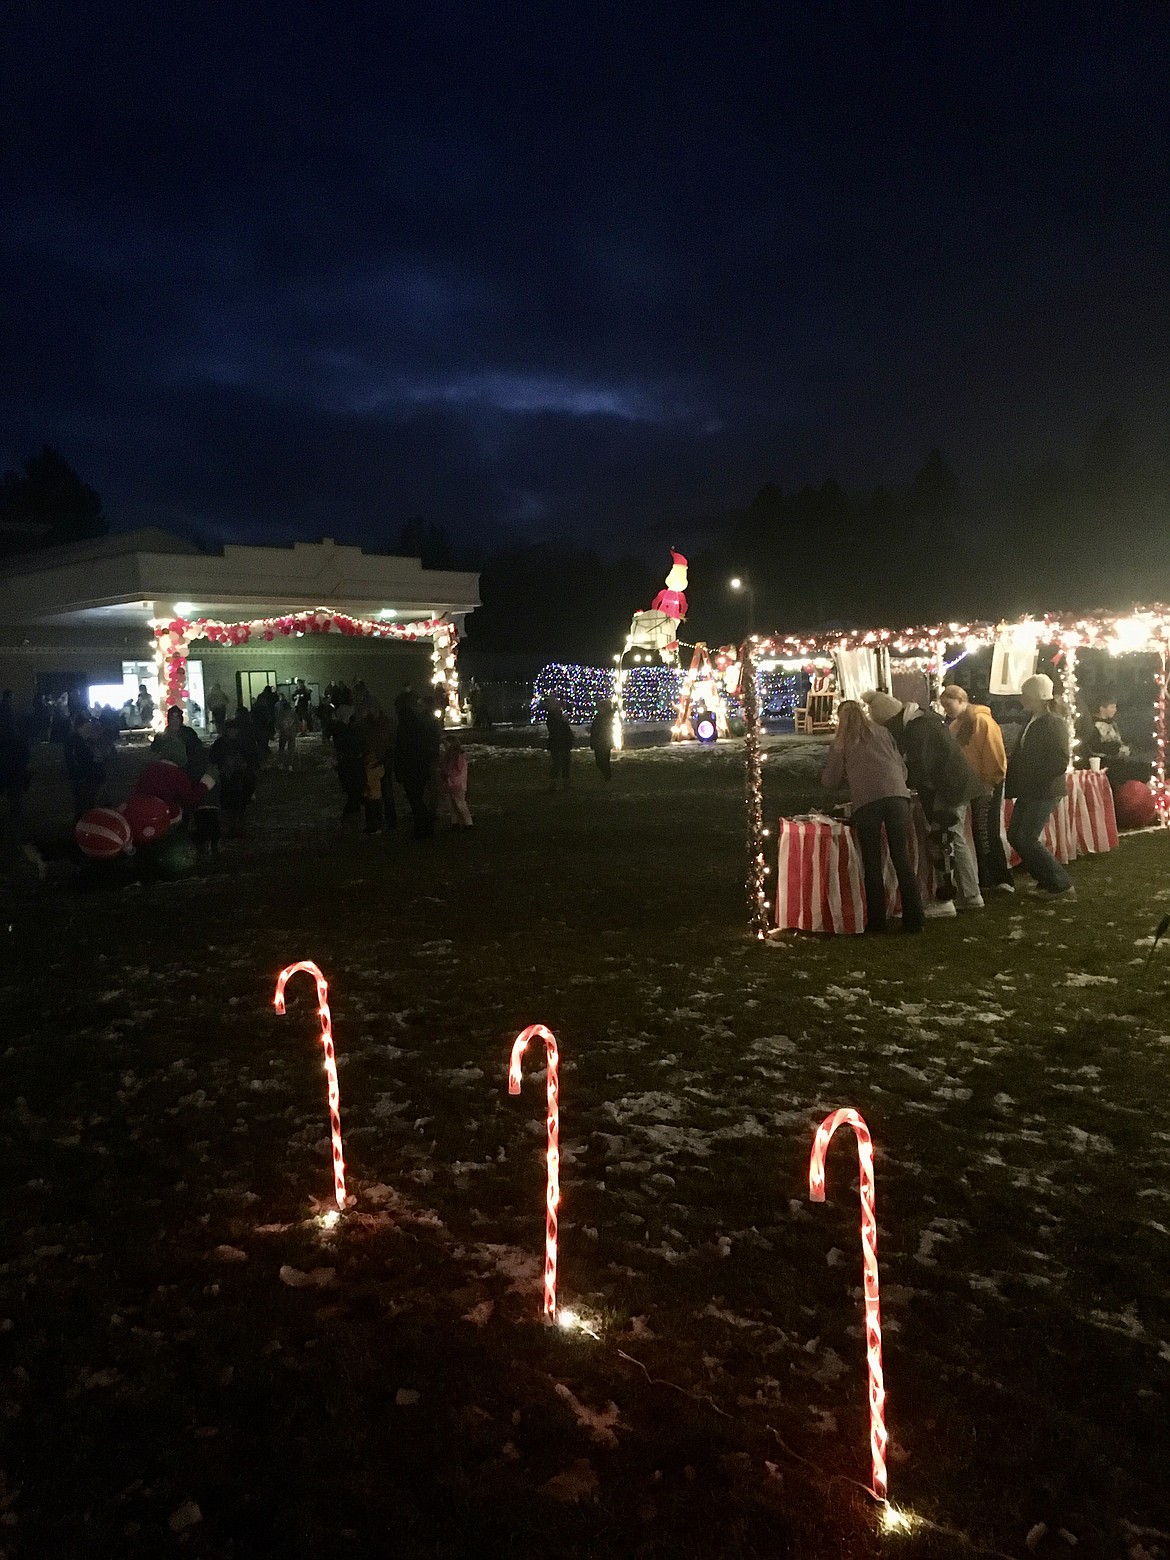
(420, 539)
(47, 503)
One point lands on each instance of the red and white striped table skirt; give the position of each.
(1090, 803)
(1084, 823)
(820, 882)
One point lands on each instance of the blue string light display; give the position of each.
(651, 692)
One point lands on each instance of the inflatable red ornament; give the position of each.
(1135, 806)
(149, 818)
(102, 834)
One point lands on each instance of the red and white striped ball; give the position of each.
(102, 834)
(148, 817)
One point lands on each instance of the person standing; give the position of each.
(180, 745)
(286, 735)
(217, 706)
(560, 743)
(372, 800)
(303, 704)
(453, 773)
(416, 752)
(264, 717)
(145, 705)
(234, 755)
(15, 773)
(85, 763)
(864, 758)
(601, 738)
(945, 782)
(1037, 778)
(977, 732)
(349, 746)
(378, 736)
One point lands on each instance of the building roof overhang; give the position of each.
(127, 581)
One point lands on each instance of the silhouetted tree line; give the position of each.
(1072, 534)
(1093, 530)
(46, 503)
(1090, 531)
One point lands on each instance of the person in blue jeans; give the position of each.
(865, 759)
(1037, 779)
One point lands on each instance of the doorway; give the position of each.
(250, 684)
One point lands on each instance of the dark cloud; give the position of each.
(289, 269)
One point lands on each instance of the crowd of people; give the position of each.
(885, 750)
(212, 776)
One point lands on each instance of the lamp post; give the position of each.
(737, 584)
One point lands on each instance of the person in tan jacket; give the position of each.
(975, 729)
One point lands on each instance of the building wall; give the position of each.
(385, 667)
(73, 659)
(83, 659)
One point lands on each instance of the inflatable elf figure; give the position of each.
(657, 627)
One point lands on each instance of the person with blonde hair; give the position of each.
(864, 759)
(944, 781)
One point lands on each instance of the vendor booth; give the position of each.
(818, 868)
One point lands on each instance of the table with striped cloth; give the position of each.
(1090, 801)
(1083, 823)
(820, 882)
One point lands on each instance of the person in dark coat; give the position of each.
(601, 738)
(560, 743)
(945, 782)
(1098, 737)
(350, 748)
(15, 775)
(178, 744)
(1037, 778)
(85, 763)
(264, 718)
(235, 756)
(377, 730)
(416, 757)
(303, 704)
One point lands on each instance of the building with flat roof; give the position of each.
(96, 619)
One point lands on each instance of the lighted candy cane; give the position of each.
(330, 1062)
(869, 1262)
(552, 1196)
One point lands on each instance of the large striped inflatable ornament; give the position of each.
(102, 834)
(148, 816)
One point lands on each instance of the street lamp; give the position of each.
(737, 584)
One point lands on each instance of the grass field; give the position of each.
(164, 1134)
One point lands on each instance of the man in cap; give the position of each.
(1036, 778)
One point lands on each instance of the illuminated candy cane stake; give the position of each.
(330, 1063)
(552, 1196)
(873, 1318)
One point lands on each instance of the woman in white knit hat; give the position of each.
(1036, 777)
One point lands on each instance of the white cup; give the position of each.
(1095, 763)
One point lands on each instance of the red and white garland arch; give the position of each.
(173, 638)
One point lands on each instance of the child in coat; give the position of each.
(453, 772)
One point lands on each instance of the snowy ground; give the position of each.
(191, 1360)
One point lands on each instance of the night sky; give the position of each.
(570, 271)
